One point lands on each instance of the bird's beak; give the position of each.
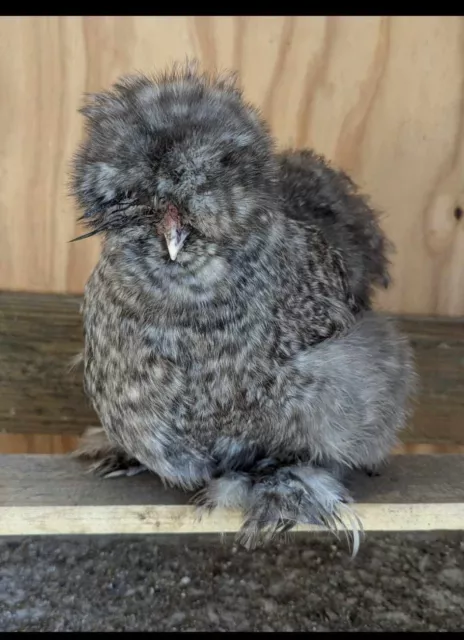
(175, 239)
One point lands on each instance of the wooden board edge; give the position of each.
(183, 519)
(62, 444)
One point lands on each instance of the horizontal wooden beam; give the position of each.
(40, 334)
(54, 495)
(45, 443)
(438, 345)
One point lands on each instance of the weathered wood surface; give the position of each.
(40, 334)
(439, 348)
(39, 337)
(49, 443)
(54, 495)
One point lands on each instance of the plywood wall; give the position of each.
(382, 97)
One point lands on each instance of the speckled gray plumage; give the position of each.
(251, 367)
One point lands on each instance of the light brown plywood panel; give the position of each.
(382, 97)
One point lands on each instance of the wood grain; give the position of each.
(46, 443)
(35, 443)
(439, 352)
(53, 495)
(383, 97)
(182, 519)
(39, 337)
(40, 395)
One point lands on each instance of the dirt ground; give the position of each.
(397, 582)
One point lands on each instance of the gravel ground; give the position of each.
(397, 582)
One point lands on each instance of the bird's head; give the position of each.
(181, 155)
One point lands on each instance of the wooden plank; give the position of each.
(182, 519)
(55, 480)
(439, 350)
(41, 333)
(39, 336)
(54, 495)
(347, 87)
(20, 443)
(46, 443)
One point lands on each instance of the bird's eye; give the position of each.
(228, 159)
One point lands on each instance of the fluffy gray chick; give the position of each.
(227, 343)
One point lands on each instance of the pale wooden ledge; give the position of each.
(53, 495)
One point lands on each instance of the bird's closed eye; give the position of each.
(228, 159)
(131, 199)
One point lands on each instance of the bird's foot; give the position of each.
(372, 471)
(115, 466)
(107, 460)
